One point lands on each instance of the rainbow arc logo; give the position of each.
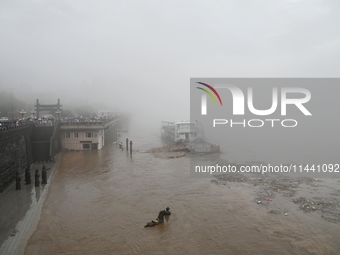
(204, 97)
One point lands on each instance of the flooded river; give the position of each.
(99, 202)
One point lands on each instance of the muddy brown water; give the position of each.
(99, 201)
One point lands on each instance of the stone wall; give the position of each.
(15, 153)
(41, 143)
(21, 146)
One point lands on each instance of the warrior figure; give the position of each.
(18, 183)
(27, 176)
(37, 175)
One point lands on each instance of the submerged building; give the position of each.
(78, 134)
(189, 134)
(82, 136)
(181, 131)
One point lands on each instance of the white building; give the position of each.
(82, 137)
(180, 131)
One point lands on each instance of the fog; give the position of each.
(139, 56)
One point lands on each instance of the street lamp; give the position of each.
(22, 113)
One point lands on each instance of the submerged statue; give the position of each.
(44, 176)
(167, 211)
(18, 183)
(160, 218)
(37, 181)
(27, 176)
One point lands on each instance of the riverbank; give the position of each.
(20, 211)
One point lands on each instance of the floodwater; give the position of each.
(99, 202)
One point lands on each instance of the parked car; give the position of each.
(2, 119)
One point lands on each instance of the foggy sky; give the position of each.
(140, 55)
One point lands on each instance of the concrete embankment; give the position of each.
(20, 211)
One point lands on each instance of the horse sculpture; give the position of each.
(160, 218)
(167, 211)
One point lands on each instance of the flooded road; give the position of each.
(99, 202)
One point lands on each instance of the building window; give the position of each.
(86, 146)
(67, 135)
(89, 134)
(75, 134)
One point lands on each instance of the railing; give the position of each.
(171, 128)
(7, 127)
(79, 122)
